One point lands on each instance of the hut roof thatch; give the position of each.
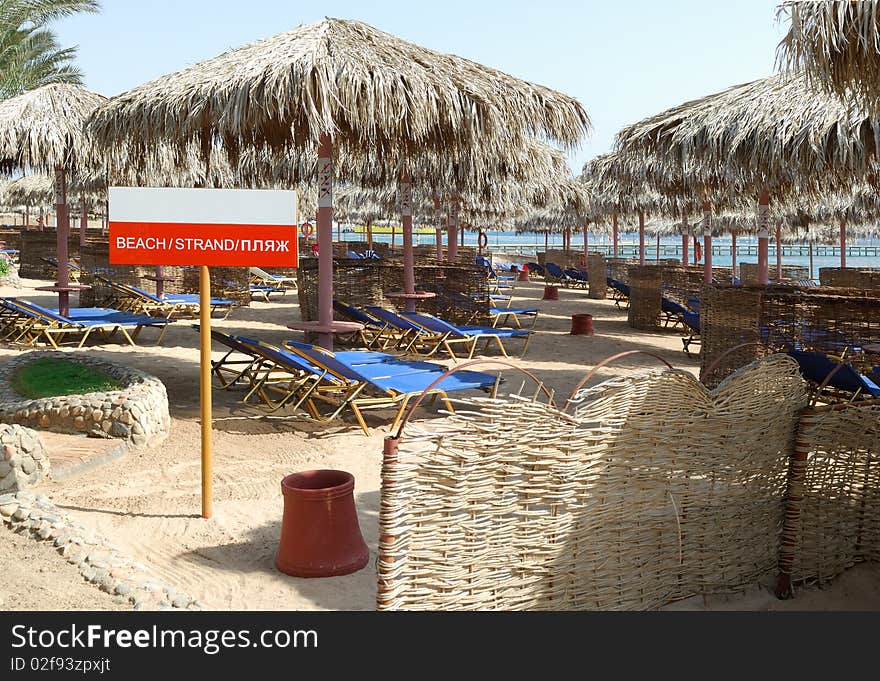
(366, 88)
(43, 128)
(774, 132)
(837, 45)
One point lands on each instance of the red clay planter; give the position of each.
(551, 292)
(320, 534)
(582, 325)
(523, 273)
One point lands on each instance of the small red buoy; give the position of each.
(523, 273)
(320, 534)
(582, 325)
(551, 292)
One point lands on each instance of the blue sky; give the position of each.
(622, 60)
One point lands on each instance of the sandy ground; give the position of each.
(147, 503)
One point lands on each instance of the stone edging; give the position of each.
(137, 413)
(98, 562)
(23, 458)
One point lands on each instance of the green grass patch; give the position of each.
(50, 377)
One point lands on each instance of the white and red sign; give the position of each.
(216, 227)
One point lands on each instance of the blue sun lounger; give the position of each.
(816, 367)
(469, 336)
(321, 376)
(36, 322)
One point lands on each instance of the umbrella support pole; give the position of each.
(205, 388)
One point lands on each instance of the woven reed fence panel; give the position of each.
(618, 268)
(564, 258)
(850, 277)
(833, 503)
(748, 273)
(598, 276)
(773, 319)
(11, 238)
(232, 283)
(35, 246)
(462, 290)
(654, 490)
(644, 297)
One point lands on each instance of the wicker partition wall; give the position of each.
(774, 318)
(618, 268)
(850, 277)
(644, 297)
(832, 518)
(11, 238)
(683, 284)
(462, 290)
(226, 282)
(652, 491)
(598, 276)
(748, 273)
(35, 246)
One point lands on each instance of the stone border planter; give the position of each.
(136, 413)
(99, 563)
(23, 459)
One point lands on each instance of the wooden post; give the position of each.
(452, 231)
(842, 242)
(657, 258)
(83, 222)
(205, 388)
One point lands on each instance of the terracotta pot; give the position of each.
(523, 273)
(320, 534)
(582, 325)
(551, 292)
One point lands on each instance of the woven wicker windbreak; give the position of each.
(462, 289)
(36, 245)
(653, 490)
(598, 276)
(775, 318)
(748, 273)
(832, 518)
(850, 277)
(644, 297)
(618, 268)
(11, 238)
(226, 282)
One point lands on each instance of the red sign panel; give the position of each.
(163, 243)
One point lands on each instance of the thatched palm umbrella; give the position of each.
(43, 129)
(335, 85)
(837, 45)
(772, 135)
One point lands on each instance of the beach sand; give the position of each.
(147, 503)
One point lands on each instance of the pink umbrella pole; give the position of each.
(685, 258)
(325, 240)
(615, 233)
(657, 257)
(811, 259)
(586, 243)
(83, 222)
(641, 237)
(409, 277)
(452, 232)
(546, 240)
(733, 251)
(763, 238)
(438, 229)
(778, 250)
(707, 242)
(843, 243)
(41, 221)
(63, 231)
